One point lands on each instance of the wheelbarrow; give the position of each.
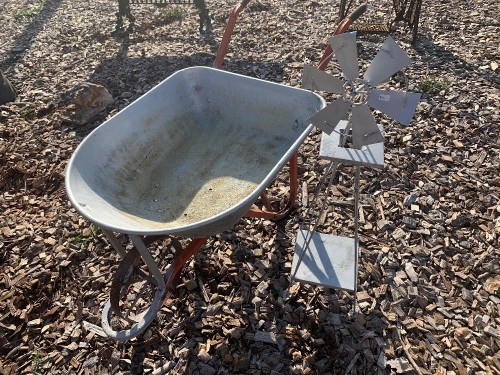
(188, 160)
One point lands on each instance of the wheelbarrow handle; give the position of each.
(358, 12)
(228, 32)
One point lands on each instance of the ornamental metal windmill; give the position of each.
(326, 259)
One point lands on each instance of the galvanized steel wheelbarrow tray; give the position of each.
(189, 159)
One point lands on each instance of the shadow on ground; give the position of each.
(130, 75)
(31, 30)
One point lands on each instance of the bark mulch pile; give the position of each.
(429, 281)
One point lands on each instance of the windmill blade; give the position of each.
(328, 118)
(344, 47)
(364, 128)
(396, 104)
(390, 59)
(315, 79)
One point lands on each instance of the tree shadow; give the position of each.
(227, 322)
(130, 75)
(441, 59)
(27, 36)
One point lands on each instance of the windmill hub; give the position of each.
(356, 91)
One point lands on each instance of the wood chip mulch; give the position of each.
(429, 281)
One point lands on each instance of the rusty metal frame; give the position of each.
(404, 10)
(228, 32)
(292, 196)
(341, 28)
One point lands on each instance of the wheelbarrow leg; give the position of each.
(150, 313)
(265, 201)
(162, 282)
(148, 259)
(181, 259)
(114, 242)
